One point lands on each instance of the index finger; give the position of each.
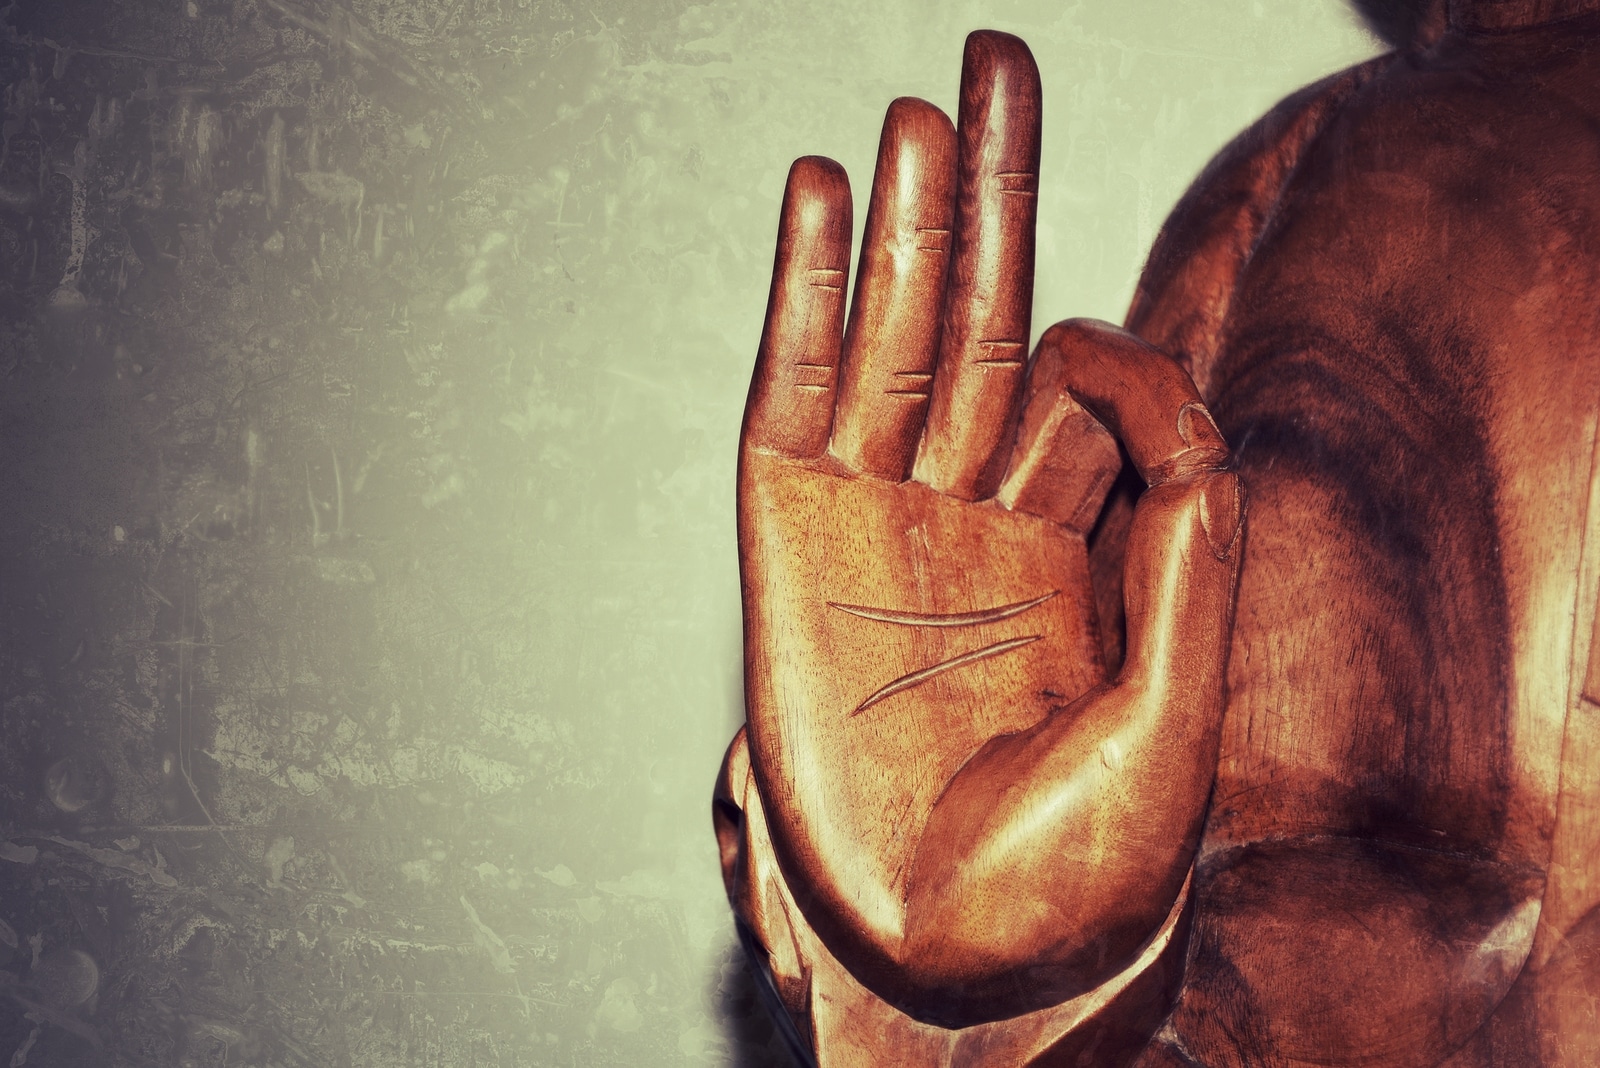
(1141, 395)
(990, 297)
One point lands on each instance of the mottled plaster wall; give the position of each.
(370, 375)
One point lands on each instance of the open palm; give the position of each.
(935, 742)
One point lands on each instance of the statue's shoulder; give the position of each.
(1183, 295)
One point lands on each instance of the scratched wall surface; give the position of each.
(370, 374)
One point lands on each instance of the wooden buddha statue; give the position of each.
(1221, 690)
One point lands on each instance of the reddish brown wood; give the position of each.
(1339, 800)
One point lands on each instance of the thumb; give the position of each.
(1178, 581)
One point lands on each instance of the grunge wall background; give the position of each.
(370, 375)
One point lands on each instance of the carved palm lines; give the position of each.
(943, 619)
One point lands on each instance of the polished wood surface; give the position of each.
(1044, 765)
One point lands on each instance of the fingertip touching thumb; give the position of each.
(1140, 394)
(1184, 550)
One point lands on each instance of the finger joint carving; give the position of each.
(813, 377)
(934, 239)
(912, 378)
(826, 278)
(1001, 345)
(1018, 183)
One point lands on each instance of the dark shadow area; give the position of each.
(754, 1039)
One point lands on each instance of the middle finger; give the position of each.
(984, 346)
(893, 338)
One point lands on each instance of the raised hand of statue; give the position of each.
(972, 816)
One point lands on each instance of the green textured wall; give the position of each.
(370, 377)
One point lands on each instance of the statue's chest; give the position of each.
(1417, 601)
